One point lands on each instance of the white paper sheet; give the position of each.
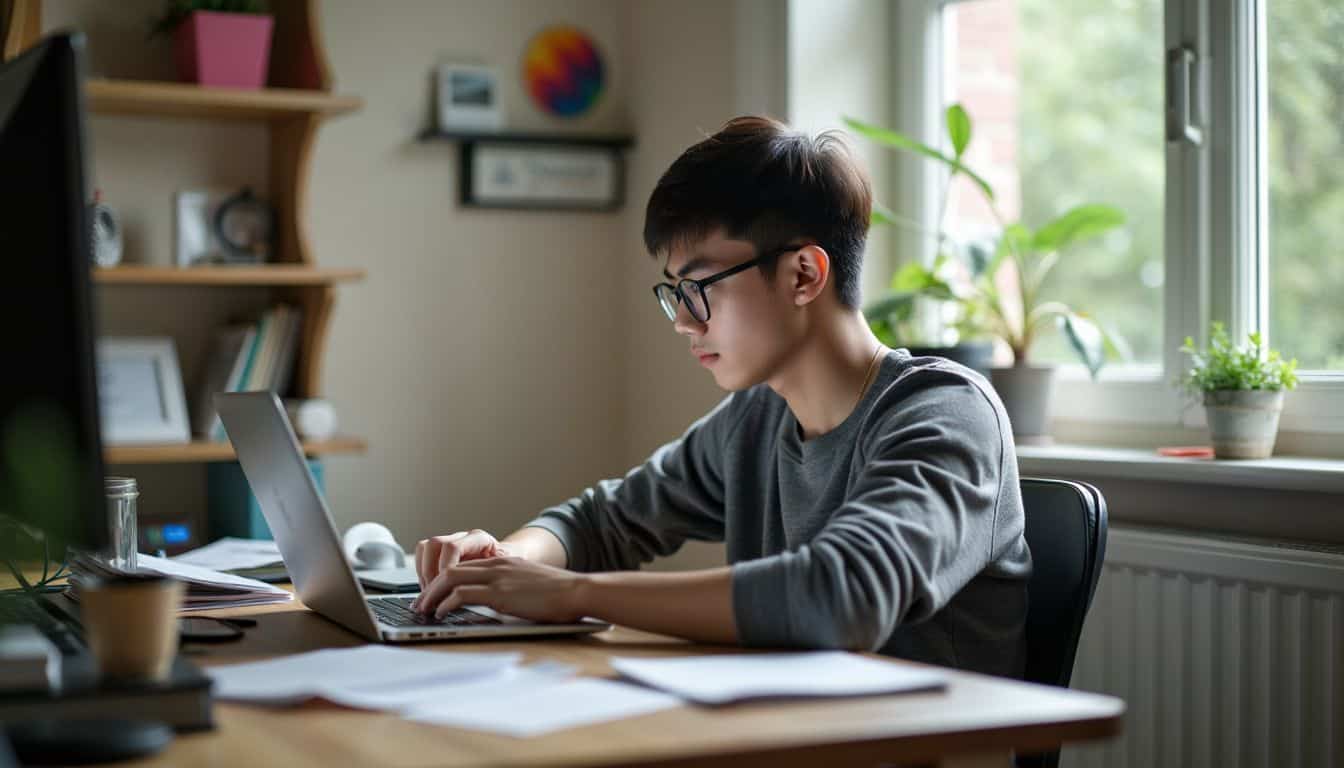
(292, 679)
(231, 553)
(197, 576)
(439, 690)
(726, 678)
(530, 709)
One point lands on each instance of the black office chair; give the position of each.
(1066, 532)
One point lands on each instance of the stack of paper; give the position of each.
(206, 589)
(231, 554)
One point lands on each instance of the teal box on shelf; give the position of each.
(232, 509)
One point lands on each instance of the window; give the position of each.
(1238, 219)
(1066, 100)
(1305, 61)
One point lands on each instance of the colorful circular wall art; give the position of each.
(563, 71)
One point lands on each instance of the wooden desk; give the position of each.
(975, 722)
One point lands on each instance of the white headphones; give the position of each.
(372, 546)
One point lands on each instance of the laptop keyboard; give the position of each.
(397, 612)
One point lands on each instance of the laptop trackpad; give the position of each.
(390, 579)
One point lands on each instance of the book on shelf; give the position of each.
(224, 370)
(249, 357)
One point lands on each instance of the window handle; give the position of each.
(1181, 70)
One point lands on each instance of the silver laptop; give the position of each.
(297, 515)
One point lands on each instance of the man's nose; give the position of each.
(685, 322)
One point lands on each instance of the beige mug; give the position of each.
(130, 624)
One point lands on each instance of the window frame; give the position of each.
(1216, 260)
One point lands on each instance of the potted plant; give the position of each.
(1242, 389)
(220, 43)
(995, 286)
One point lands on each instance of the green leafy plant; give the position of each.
(995, 285)
(1225, 366)
(176, 11)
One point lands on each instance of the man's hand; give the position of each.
(510, 585)
(434, 554)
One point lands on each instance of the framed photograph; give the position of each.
(540, 176)
(222, 226)
(193, 223)
(469, 98)
(140, 392)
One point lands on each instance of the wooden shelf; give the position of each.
(202, 451)
(164, 99)
(613, 141)
(263, 274)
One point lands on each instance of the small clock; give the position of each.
(244, 224)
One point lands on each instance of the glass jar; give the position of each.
(122, 493)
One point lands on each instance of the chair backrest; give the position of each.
(1066, 532)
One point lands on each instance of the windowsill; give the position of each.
(1278, 472)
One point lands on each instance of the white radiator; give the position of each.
(1227, 653)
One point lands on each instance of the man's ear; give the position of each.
(811, 272)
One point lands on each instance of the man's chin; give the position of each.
(729, 382)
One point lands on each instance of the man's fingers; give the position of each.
(444, 584)
(485, 562)
(462, 545)
(428, 556)
(465, 594)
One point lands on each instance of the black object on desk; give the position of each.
(182, 701)
(74, 742)
(209, 629)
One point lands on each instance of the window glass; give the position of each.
(1305, 95)
(1066, 102)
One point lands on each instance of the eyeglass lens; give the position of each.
(668, 297)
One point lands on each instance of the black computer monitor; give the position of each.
(50, 453)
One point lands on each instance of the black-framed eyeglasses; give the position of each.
(692, 292)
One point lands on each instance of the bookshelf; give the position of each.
(180, 100)
(261, 275)
(299, 98)
(199, 451)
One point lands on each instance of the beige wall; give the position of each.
(477, 357)
(496, 361)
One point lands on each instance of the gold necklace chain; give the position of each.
(868, 377)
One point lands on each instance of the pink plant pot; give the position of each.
(229, 50)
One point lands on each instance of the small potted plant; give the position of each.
(219, 43)
(1242, 389)
(995, 286)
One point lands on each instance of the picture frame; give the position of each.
(468, 97)
(194, 233)
(572, 177)
(140, 395)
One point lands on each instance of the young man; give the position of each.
(868, 499)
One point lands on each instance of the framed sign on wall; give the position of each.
(542, 176)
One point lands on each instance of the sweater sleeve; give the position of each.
(677, 494)
(917, 526)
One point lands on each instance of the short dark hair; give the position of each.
(762, 182)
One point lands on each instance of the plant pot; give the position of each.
(1027, 391)
(228, 50)
(1243, 423)
(976, 355)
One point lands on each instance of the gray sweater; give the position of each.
(899, 531)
